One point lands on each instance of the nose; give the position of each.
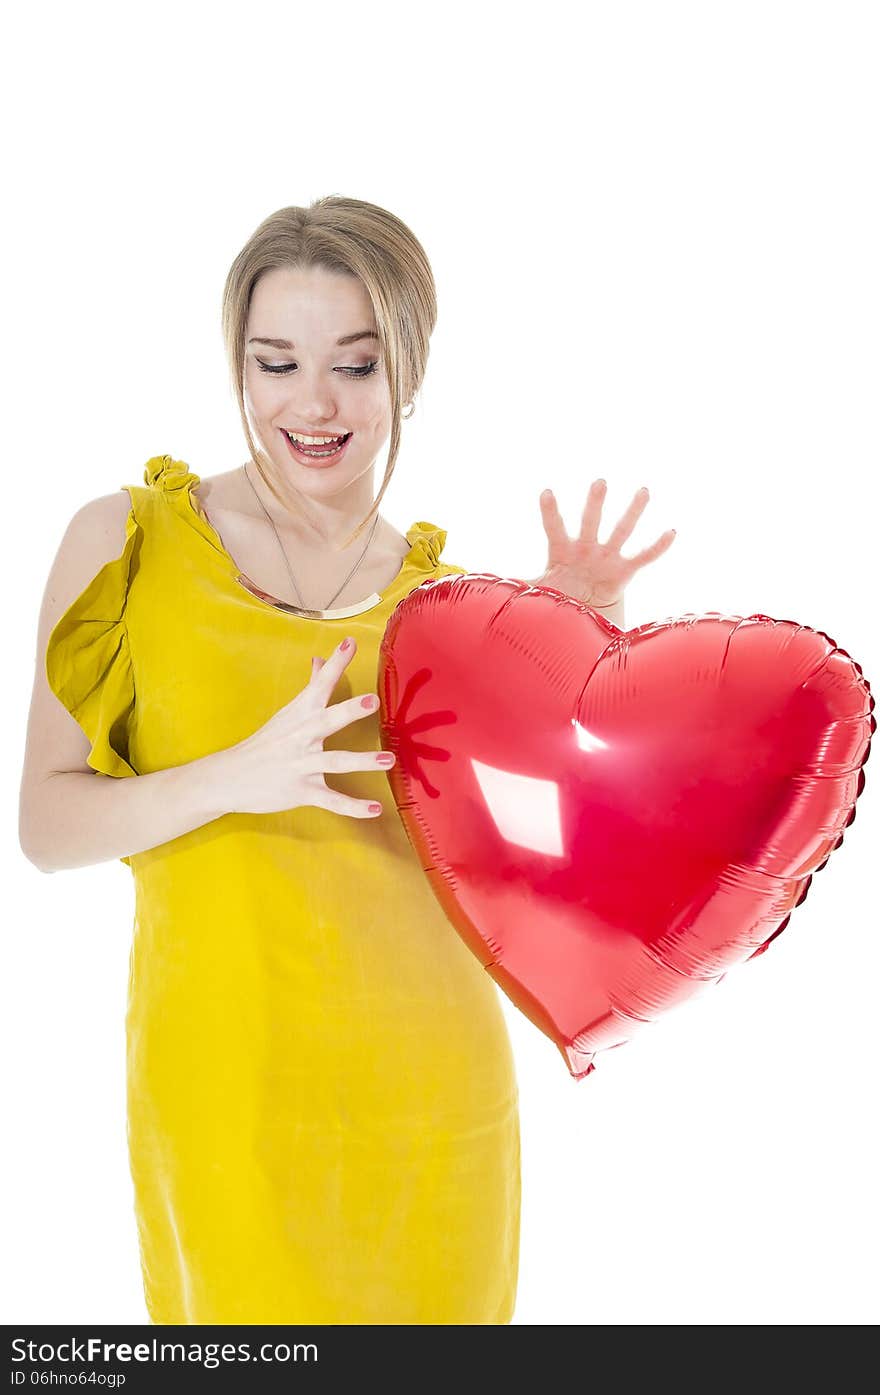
(312, 402)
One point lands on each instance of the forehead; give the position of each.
(308, 301)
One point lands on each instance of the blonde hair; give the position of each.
(350, 237)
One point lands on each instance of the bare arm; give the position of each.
(75, 820)
(70, 815)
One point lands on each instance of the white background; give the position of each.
(657, 234)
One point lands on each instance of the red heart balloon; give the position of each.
(611, 819)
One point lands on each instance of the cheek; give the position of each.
(375, 410)
(261, 392)
(253, 396)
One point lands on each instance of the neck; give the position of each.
(327, 522)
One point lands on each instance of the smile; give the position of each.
(317, 450)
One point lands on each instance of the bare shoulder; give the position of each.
(226, 490)
(94, 536)
(106, 514)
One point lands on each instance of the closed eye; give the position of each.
(363, 372)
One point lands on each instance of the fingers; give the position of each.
(649, 554)
(321, 796)
(331, 667)
(592, 511)
(552, 519)
(326, 674)
(627, 522)
(343, 762)
(320, 763)
(339, 714)
(345, 804)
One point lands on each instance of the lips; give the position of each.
(318, 455)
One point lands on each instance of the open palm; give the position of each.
(585, 569)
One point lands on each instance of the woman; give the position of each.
(322, 1106)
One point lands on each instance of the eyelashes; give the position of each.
(351, 372)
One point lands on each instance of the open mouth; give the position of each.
(322, 454)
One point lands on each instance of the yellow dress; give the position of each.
(322, 1106)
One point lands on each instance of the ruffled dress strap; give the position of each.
(176, 483)
(88, 664)
(427, 542)
(169, 475)
(88, 661)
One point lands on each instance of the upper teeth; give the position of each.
(313, 440)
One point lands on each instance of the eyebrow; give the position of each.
(346, 339)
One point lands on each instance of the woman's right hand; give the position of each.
(282, 764)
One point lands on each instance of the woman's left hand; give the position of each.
(585, 569)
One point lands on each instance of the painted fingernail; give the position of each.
(345, 646)
(385, 760)
(375, 808)
(369, 702)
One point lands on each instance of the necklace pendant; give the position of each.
(303, 612)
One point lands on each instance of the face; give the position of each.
(316, 386)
